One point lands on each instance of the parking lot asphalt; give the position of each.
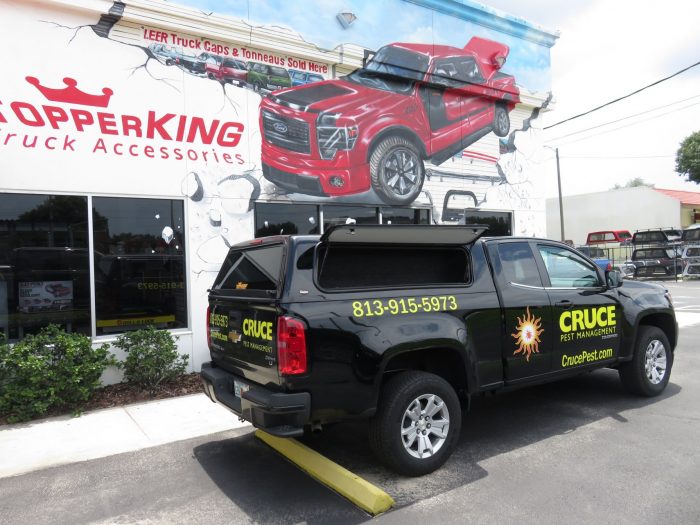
(575, 451)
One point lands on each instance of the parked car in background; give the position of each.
(690, 255)
(657, 236)
(597, 255)
(194, 64)
(657, 262)
(691, 234)
(270, 78)
(299, 78)
(228, 70)
(164, 54)
(621, 237)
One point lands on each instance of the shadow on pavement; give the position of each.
(495, 425)
(272, 490)
(268, 488)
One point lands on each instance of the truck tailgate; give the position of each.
(242, 337)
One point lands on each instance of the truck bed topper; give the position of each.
(404, 234)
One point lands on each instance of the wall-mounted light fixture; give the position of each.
(346, 18)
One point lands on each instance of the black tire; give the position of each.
(386, 436)
(397, 170)
(501, 121)
(652, 349)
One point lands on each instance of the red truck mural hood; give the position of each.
(338, 96)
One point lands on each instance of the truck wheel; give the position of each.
(396, 170)
(417, 423)
(648, 372)
(501, 121)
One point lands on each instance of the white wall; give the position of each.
(624, 209)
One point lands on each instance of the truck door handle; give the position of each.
(565, 304)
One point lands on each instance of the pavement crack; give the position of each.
(137, 425)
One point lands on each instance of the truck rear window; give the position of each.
(347, 267)
(251, 269)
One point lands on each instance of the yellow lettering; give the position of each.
(599, 317)
(566, 316)
(257, 329)
(587, 319)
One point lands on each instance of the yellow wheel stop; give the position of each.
(361, 492)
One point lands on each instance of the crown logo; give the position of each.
(71, 94)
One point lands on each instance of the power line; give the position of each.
(625, 118)
(628, 125)
(615, 157)
(625, 96)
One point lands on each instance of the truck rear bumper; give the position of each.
(278, 413)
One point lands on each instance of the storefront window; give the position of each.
(405, 216)
(334, 215)
(44, 264)
(139, 264)
(285, 219)
(499, 222)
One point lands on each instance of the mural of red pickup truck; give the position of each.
(376, 126)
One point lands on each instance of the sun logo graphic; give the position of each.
(527, 336)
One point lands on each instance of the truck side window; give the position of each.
(350, 267)
(519, 264)
(566, 269)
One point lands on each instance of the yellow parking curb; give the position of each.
(360, 491)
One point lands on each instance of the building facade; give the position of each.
(140, 139)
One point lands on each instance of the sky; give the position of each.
(381, 22)
(606, 49)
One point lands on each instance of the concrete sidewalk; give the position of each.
(60, 440)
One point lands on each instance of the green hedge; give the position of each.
(53, 369)
(151, 358)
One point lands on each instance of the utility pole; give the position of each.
(561, 203)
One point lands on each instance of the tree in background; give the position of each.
(688, 158)
(633, 183)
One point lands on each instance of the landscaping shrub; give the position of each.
(52, 369)
(152, 357)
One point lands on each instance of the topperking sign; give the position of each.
(64, 114)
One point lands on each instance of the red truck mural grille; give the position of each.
(286, 132)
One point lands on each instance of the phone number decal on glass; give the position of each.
(412, 305)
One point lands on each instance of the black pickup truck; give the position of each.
(401, 323)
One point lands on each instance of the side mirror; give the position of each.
(613, 278)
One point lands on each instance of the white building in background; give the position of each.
(622, 209)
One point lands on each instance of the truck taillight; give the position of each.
(291, 346)
(208, 327)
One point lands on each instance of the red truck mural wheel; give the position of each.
(501, 121)
(397, 170)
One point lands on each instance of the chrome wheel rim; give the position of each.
(425, 425)
(401, 171)
(655, 362)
